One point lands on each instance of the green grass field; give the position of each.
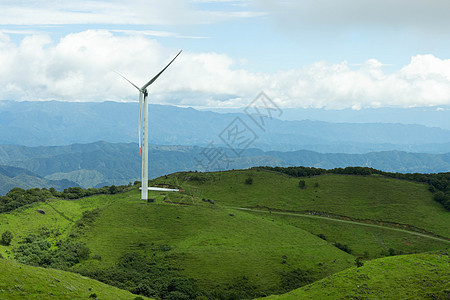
(363, 197)
(365, 241)
(216, 244)
(18, 281)
(418, 276)
(203, 238)
(60, 216)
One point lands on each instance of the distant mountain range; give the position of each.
(101, 163)
(11, 177)
(431, 116)
(63, 123)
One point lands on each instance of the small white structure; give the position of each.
(158, 189)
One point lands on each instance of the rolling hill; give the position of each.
(192, 239)
(362, 197)
(418, 276)
(226, 236)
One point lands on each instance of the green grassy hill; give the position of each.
(418, 276)
(18, 281)
(257, 239)
(371, 214)
(202, 238)
(203, 241)
(362, 197)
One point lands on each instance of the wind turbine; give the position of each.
(144, 148)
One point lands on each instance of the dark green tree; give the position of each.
(359, 262)
(7, 237)
(302, 184)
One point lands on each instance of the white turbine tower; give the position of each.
(144, 148)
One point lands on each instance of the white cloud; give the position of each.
(137, 12)
(78, 68)
(156, 33)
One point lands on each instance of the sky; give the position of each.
(332, 54)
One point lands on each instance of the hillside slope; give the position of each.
(372, 215)
(194, 239)
(18, 281)
(362, 197)
(418, 276)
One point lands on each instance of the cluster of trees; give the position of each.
(18, 197)
(343, 247)
(439, 183)
(78, 192)
(291, 280)
(146, 276)
(37, 251)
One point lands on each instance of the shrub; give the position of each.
(302, 184)
(7, 237)
(359, 262)
(344, 248)
(96, 257)
(249, 180)
(146, 276)
(113, 190)
(240, 288)
(322, 236)
(36, 251)
(198, 178)
(439, 197)
(296, 278)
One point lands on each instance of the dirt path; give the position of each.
(344, 221)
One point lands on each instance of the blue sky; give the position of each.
(324, 54)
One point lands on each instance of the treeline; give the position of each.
(18, 197)
(439, 183)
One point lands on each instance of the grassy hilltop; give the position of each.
(417, 276)
(229, 235)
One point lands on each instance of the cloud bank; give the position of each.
(79, 67)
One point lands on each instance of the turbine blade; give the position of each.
(157, 75)
(127, 80)
(140, 122)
